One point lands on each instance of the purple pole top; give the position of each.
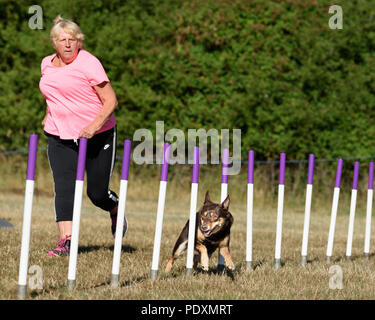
(81, 159)
(195, 175)
(224, 174)
(355, 175)
(250, 167)
(310, 173)
(338, 173)
(126, 160)
(282, 168)
(164, 166)
(370, 175)
(31, 161)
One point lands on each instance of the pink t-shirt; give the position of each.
(71, 98)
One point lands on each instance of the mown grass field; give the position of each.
(96, 246)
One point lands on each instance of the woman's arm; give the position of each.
(108, 97)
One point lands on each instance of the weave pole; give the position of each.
(280, 205)
(78, 191)
(306, 224)
(160, 213)
(224, 194)
(370, 193)
(335, 202)
(193, 213)
(27, 213)
(249, 216)
(115, 275)
(352, 211)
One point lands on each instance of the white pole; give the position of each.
(351, 224)
(27, 213)
(224, 193)
(279, 226)
(115, 275)
(160, 213)
(331, 235)
(192, 223)
(71, 282)
(368, 222)
(193, 212)
(25, 244)
(118, 236)
(249, 227)
(352, 211)
(306, 224)
(335, 202)
(249, 215)
(158, 230)
(369, 210)
(280, 206)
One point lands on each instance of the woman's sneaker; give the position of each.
(62, 249)
(114, 223)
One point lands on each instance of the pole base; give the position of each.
(249, 266)
(71, 285)
(348, 258)
(21, 291)
(153, 275)
(277, 264)
(328, 259)
(189, 271)
(303, 261)
(115, 280)
(366, 255)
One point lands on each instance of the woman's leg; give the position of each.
(101, 152)
(62, 156)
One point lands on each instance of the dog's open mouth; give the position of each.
(208, 232)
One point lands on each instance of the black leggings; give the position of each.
(100, 157)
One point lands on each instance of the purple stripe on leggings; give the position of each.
(310, 173)
(224, 175)
(164, 166)
(195, 175)
(355, 175)
(31, 162)
(338, 173)
(250, 167)
(282, 168)
(370, 175)
(81, 159)
(126, 160)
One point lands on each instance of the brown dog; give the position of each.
(213, 223)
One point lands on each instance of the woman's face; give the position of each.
(67, 46)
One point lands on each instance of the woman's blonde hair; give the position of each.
(69, 26)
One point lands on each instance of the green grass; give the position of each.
(96, 245)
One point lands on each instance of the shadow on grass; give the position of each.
(86, 249)
(353, 258)
(124, 284)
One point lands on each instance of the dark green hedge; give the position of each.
(273, 69)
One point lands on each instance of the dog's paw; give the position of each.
(231, 267)
(205, 268)
(169, 266)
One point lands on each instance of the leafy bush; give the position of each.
(273, 69)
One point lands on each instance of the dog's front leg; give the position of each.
(224, 251)
(204, 256)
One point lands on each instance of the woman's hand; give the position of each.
(88, 132)
(108, 98)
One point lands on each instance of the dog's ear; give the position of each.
(207, 198)
(225, 203)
